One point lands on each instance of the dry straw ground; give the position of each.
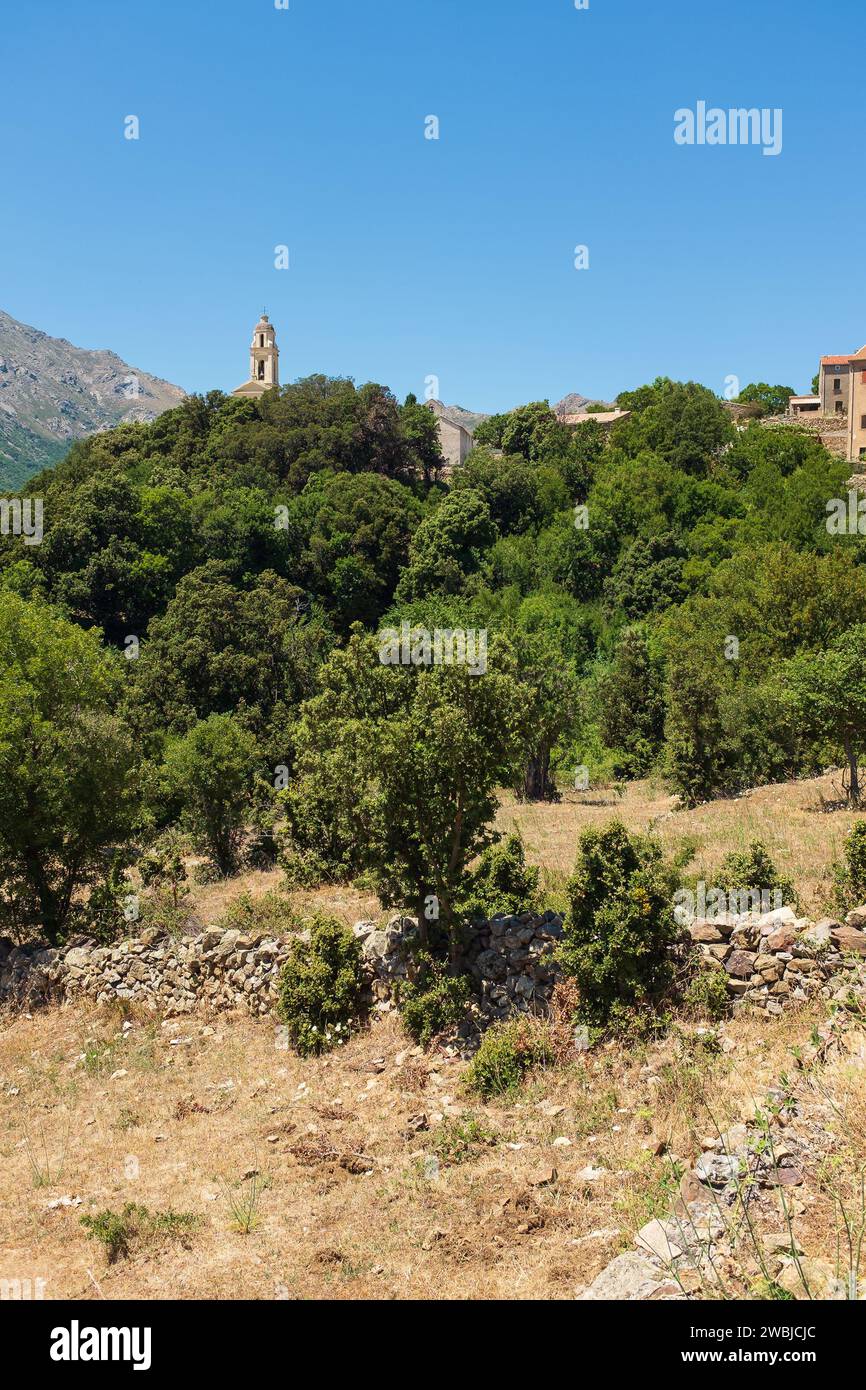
(371, 1173)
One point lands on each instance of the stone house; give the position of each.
(843, 392)
(456, 441)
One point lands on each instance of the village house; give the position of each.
(456, 440)
(842, 392)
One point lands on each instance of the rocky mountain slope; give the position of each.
(52, 393)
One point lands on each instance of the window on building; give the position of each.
(261, 340)
(840, 408)
(863, 422)
(837, 386)
(261, 371)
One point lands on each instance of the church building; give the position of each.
(264, 361)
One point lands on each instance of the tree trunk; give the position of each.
(537, 785)
(854, 785)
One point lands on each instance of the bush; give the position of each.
(620, 928)
(502, 881)
(850, 877)
(752, 871)
(460, 1139)
(434, 1000)
(322, 987)
(706, 994)
(117, 1231)
(508, 1051)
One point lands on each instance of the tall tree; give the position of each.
(66, 766)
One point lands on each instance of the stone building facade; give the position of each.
(842, 392)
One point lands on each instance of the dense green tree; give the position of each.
(630, 698)
(219, 649)
(357, 534)
(647, 577)
(212, 770)
(773, 399)
(397, 771)
(620, 927)
(681, 421)
(66, 767)
(448, 547)
(829, 692)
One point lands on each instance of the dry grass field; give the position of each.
(801, 824)
(372, 1173)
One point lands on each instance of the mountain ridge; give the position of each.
(52, 393)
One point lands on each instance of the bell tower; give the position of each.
(264, 360)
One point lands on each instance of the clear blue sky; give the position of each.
(412, 257)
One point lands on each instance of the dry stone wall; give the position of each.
(768, 960)
(217, 970)
(774, 958)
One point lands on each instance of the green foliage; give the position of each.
(269, 913)
(706, 994)
(620, 927)
(752, 871)
(397, 769)
(850, 876)
(118, 1232)
(829, 692)
(67, 767)
(162, 866)
(448, 547)
(683, 423)
(433, 1000)
(240, 541)
(212, 769)
(630, 703)
(509, 1050)
(502, 882)
(774, 399)
(322, 987)
(460, 1139)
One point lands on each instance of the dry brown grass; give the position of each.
(340, 900)
(803, 837)
(347, 1203)
(345, 1208)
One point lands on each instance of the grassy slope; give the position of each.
(347, 1210)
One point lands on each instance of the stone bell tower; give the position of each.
(264, 361)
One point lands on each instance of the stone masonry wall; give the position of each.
(774, 958)
(217, 969)
(767, 961)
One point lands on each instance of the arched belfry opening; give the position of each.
(264, 360)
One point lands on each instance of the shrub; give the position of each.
(460, 1139)
(850, 877)
(434, 1000)
(508, 1051)
(119, 1230)
(706, 994)
(162, 866)
(502, 882)
(322, 987)
(752, 871)
(620, 928)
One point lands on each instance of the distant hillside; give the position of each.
(469, 419)
(575, 404)
(52, 393)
